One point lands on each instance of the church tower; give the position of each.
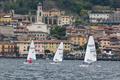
(39, 12)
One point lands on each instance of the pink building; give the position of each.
(39, 46)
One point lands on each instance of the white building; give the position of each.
(38, 26)
(98, 17)
(38, 31)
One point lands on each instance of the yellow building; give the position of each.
(8, 49)
(77, 39)
(41, 46)
(52, 45)
(65, 20)
(6, 19)
(23, 46)
(104, 42)
(53, 12)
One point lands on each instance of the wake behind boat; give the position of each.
(55, 62)
(30, 63)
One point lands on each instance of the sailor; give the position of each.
(30, 60)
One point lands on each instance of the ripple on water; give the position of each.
(14, 69)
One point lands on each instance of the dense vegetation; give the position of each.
(20, 6)
(58, 32)
(74, 6)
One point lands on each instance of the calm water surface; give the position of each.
(14, 69)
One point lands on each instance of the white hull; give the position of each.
(30, 63)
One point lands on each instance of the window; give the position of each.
(65, 46)
(40, 14)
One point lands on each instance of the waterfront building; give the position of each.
(8, 49)
(24, 47)
(52, 45)
(41, 46)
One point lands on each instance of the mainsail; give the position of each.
(59, 53)
(31, 53)
(90, 55)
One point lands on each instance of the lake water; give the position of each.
(14, 69)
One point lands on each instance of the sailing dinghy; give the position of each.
(90, 55)
(58, 57)
(31, 54)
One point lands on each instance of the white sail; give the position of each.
(31, 53)
(59, 53)
(90, 55)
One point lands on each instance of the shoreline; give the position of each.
(99, 59)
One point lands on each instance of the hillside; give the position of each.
(71, 6)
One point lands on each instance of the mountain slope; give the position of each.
(73, 6)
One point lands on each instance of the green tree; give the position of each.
(58, 32)
(74, 6)
(21, 6)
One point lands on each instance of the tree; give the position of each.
(21, 6)
(58, 32)
(81, 20)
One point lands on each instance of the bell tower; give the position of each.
(39, 12)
